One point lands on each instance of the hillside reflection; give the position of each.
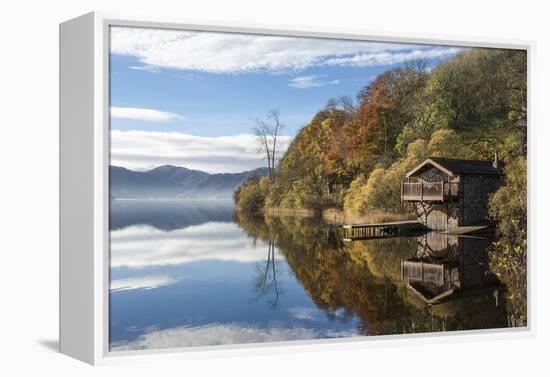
(374, 280)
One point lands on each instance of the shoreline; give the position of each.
(336, 216)
(291, 212)
(340, 217)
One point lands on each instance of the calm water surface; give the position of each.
(199, 274)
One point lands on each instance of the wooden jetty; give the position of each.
(354, 232)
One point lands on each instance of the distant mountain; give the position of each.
(170, 181)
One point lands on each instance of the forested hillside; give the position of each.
(353, 156)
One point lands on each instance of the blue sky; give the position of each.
(226, 104)
(179, 96)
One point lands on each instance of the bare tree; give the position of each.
(267, 132)
(261, 130)
(277, 127)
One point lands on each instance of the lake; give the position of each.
(195, 274)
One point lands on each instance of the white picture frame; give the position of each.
(84, 193)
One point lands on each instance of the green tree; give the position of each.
(448, 143)
(508, 206)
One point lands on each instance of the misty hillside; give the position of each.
(169, 181)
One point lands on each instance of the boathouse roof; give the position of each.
(452, 166)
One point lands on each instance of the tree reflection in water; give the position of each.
(266, 284)
(363, 279)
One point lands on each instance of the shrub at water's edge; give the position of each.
(250, 196)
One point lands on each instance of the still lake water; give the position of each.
(195, 274)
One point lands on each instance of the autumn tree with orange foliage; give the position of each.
(386, 106)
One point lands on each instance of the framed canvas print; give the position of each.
(228, 187)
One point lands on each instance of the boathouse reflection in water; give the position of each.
(445, 265)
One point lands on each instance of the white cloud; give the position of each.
(149, 115)
(238, 53)
(146, 68)
(231, 333)
(142, 246)
(142, 282)
(386, 58)
(223, 154)
(311, 81)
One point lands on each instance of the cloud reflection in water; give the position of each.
(143, 282)
(141, 246)
(218, 334)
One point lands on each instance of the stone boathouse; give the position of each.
(449, 193)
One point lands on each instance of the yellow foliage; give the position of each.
(382, 190)
(354, 198)
(447, 143)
